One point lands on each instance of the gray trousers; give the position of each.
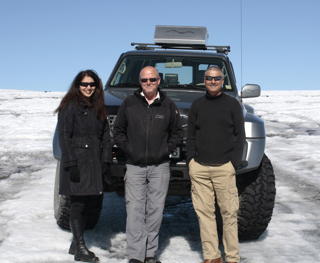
(146, 191)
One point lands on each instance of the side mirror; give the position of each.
(250, 91)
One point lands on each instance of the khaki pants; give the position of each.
(210, 183)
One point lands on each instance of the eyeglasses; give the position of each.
(85, 84)
(215, 78)
(151, 80)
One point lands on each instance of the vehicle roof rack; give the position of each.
(145, 46)
(181, 37)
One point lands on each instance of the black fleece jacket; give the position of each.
(216, 132)
(147, 133)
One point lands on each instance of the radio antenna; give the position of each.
(241, 37)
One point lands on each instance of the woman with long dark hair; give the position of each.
(86, 153)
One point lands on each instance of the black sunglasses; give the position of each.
(215, 78)
(85, 84)
(151, 80)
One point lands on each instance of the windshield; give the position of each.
(173, 70)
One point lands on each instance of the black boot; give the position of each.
(72, 248)
(81, 251)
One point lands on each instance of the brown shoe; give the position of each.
(217, 260)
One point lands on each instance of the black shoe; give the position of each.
(135, 261)
(72, 249)
(86, 258)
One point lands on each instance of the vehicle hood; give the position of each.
(182, 98)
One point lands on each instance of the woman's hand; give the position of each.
(74, 174)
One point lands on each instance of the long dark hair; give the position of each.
(96, 100)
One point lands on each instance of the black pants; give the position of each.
(80, 205)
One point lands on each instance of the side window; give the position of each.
(118, 75)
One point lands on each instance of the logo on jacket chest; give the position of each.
(158, 116)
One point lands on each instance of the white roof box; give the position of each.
(181, 35)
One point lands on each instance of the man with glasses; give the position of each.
(215, 140)
(148, 130)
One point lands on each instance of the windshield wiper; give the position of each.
(185, 86)
(131, 84)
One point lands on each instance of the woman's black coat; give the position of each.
(84, 142)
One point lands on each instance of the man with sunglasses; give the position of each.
(148, 130)
(215, 140)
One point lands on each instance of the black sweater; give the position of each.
(216, 132)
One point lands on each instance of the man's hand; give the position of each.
(106, 174)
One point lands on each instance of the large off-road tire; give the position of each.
(256, 201)
(257, 193)
(62, 207)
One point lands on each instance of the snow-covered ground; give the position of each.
(29, 233)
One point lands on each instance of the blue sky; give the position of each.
(45, 43)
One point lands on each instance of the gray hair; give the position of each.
(214, 68)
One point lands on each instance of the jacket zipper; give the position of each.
(147, 131)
